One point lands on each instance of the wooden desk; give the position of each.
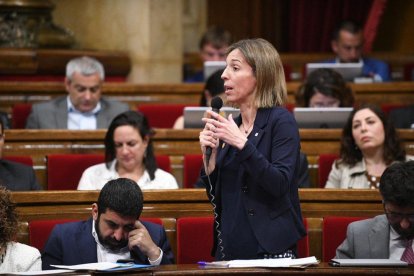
(134, 94)
(175, 143)
(173, 204)
(321, 269)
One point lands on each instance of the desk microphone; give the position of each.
(216, 104)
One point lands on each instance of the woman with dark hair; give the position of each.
(369, 145)
(324, 88)
(129, 154)
(14, 256)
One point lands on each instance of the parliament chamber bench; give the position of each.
(17, 93)
(398, 62)
(175, 143)
(171, 205)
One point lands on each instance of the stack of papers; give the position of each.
(284, 262)
(103, 266)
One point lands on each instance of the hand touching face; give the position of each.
(141, 238)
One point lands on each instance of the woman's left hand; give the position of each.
(226, 130)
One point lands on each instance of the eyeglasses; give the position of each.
(394, 217)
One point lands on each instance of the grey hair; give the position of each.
(86, 66)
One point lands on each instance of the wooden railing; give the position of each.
(30, 92)
(175, 143)
(172, 204)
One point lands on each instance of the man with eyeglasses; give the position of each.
(83, 108)
(387, 236)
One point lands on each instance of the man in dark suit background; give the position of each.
(83, 108)
(114, 232)
(15, 176)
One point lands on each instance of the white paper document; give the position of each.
(94, 266)
(367, 262)
(284, 262)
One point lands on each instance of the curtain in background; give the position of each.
(311, 22)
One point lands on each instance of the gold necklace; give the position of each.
(246, 131)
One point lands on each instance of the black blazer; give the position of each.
(268, 177)
(17, 177)
(402, 117)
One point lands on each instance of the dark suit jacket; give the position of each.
(54, 114)
(17, 177)
(72, 243)
(269, 164)
(402, 117)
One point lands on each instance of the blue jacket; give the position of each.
(372, 66)
(72, 243)
(268, 176)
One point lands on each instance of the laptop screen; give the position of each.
(321, 117)
(349, 71)
(193, 115)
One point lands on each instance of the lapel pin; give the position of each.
(256, 134)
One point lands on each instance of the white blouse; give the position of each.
(95, 177)
(20, 258)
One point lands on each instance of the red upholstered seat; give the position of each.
(192, 166)
(163, 162)
(65, 170)
(409, 72)
(333, 234)
(20, 113)
(26, 160)
(162, 115)
(386, 108)
(194, 239)
(303, 244)
(39, 231)
(288, 72)
(325, 162)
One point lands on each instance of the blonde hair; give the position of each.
(267, 68)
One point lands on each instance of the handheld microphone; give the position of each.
(216, 104)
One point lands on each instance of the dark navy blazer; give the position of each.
(72, 243)
(268, 175)
(17, 177)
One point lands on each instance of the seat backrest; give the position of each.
(20, 113)
(192, 166)
(409, 72)
(303, 243)
(23, 159)
(325, 162)
(163, 162)
(162, 115)
(39, 231)
(65, 170)
(334, 233)
(194, 239)
(387, 108)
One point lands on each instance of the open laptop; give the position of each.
(193, 115)
(321, 117)
(349, 71)
(210, 67)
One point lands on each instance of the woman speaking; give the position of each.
(251, 176)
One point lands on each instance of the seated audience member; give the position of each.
(212, 47)
(347, 43)
(324, 88)
(214, 87)
(387, 236)
(403, 117)
(114, 232)
(83, 108)
(15, 257)
(15, 176)
(128, 153)
(369, 144)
